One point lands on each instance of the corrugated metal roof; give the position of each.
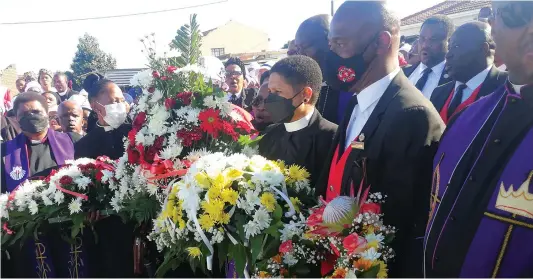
(444, 8)
(121, 77)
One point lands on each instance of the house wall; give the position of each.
(8, 78)
(458, 19)
(235, 38)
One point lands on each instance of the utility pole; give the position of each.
(332, 7)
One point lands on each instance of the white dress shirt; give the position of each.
(62, 93)
(367, 101)
(472, 84)
(300, 123)
(517, 88)
(433, 77)
(237, 95)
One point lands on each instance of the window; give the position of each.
(217, 52)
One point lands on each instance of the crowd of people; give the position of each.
(442, 126)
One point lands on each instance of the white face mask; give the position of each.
(115, 114)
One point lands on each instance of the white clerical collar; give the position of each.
(300, 123)
(476, 81)
(62, 93)
(373, 92)
(517, 88)
(106, 128)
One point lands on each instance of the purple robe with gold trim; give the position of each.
(481, 218)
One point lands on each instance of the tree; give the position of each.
(188, 42)
(90, 58)
(286, 45)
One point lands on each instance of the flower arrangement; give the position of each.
(235, 203)
(69, 193)
(346, 236)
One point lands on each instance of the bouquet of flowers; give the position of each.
(346, 236)
(235, 203)
(67, 194)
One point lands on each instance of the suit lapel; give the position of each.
(344, 124)
(410, 69)
(491, 82)
(441, 94)
(444, 77)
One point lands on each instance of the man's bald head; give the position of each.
(478, 32)
(71, 117)
(358, 24)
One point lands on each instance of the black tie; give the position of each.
(233, 99)
(422, 81)
(457, 99)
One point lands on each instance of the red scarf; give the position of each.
(467, 102)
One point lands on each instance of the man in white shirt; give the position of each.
(470, 63)
(433, 46)
(238, 94)
(389, 133)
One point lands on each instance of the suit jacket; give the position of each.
(400, 141)
(494, 79)
(444, 77)
(245, 100)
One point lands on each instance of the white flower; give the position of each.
(225, 108)
(46, 200)
(289, 259)
(106, 175)
(33, 207)
(59, 197)
(82, 182)
(189, 193)
(152, 188)
(116, 203)
(268, 177)
(373, 237)
(156, 96)
(250, 151)
(75, 206)
(192, 116)
(250, 201)
(210, 102)
(251, 229)
(171, 152)
(290, 230)
(142, 79)
(238, 161)
(3, 205)
(371, 254)
(262, 218)
(197, 154)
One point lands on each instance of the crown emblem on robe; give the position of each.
(17, 173)
(519, 202)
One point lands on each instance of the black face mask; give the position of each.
(343, 73)
(281, 109)
(33, 123)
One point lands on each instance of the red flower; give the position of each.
(286, 247)
(158, 143)
(164, 78)
(99, 176)
(140, 119)
(185, 97)
(151, 89)
(87, 168)
(371, 208)
(156, 74)
(244, 126)
(150, 154)
(131, 136)
(227, 128)
(171, 69)
(52, 173)
(170, 103)
(189, 137)
(133, 156)
(316, 217)
(66, 180)
(210, 121)
(354, 243)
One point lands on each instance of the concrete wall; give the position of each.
(235, 38)
(8, 78)
(458, 19)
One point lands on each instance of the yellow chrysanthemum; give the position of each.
(280, 164)
(194, 252)
(268, 201)
(296, 202)
(176, 215)
(233, 173)
(206, 222)
(214, 208)
(229, 196)
(221, 181)
(383, 271)
(213, 193)
(202, 180)
(181, 224)
(297, 173)
(263, 274)
(224, 218)
(373, 243)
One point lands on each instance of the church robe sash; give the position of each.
(498, 248)
(467, 102)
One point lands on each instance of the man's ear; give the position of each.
(308, 93)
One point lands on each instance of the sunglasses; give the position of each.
(516, 14)
(257, 101)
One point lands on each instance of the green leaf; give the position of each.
(6, 237)
(188, 43)
(272, 248)
(239, 256)
(278, 212)
(256, 243)
(18, 235)
(222, 253)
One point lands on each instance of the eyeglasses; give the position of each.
(257, 101)
(515, 15)
(233, 73)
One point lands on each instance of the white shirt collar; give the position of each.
(300, 123)
(517, 88)
(237, 95)
(106, 128)
(62, 93)
(373, 93)
(477, 80)
(437, 69)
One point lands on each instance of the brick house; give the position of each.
(8, 78)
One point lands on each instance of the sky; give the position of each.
(53, 45)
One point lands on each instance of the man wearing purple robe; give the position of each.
(481, 217)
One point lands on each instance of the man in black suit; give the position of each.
(389, 134)
(433, 46)
(61, 84)
(238, 94)
(470, 63)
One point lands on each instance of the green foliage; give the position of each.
(90, 58)
(188, 42)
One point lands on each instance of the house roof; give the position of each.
(121, 77)
(208, 31)
(444, 8)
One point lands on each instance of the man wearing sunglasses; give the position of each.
(481, 218)
(238, 94)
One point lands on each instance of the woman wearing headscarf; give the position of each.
(45, 80)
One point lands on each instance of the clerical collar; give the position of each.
(35, 142)
(300, 123)
(517, 88)
(106, 128)
(62, 93)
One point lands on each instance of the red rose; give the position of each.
(151, 89)
(354, 243)
(52, 173)
(133, 156)
(185, 97)
(66, 180)
(140, 119)
(371, 208)
(131, 136)
(156, 74)
(164, 78)
(171, 69)
(170, 103)
(286, 247)
(158, 143)
(150, 154)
